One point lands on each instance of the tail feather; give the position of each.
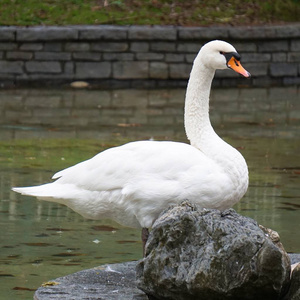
(49, 191)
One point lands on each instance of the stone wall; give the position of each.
(142, 56)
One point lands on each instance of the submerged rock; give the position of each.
(195, 253)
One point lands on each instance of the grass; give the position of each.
(148, 12)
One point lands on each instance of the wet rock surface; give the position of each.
(196, 253)
(109, 282)
(294, 290)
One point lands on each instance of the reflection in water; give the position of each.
(43, 131)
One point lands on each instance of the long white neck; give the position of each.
(202, 135)
(196, 117)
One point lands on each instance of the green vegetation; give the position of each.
(148, 12)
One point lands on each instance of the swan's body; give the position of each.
(134, 183)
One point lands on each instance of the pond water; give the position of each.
(43, 131)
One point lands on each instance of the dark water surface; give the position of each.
(43, 131)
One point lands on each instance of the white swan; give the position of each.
(134, 183)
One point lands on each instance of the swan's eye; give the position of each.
(221, 52)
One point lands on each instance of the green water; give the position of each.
(43, 131)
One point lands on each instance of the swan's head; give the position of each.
(221, 55)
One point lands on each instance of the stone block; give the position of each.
(19, 55)
(202, 33)
(180, 71)
(273, 46)
(252, 32)
(189, 47)
(190, 57)
(165, 33)
(7, 33)
(77, 47)
(11, 67)
(256, 69)
(139, 47)
(279, 57)
(245, 46)
(53, 67)
(109, 47)
(291, 31)
(53, 47)
(172, 57)
(31, 46)
(291, 80)
(69, 67)
(150, 56)
(87, 56)
(130, 70)
(256, 57)
(52, 56)
(283, 69)
(295, 45)
(118, 56)
(8, 46)
(158, 70)
(266, 81)
(45, 79)
(92, 70)
(294, 57)
(42, 33)
(163, 46)
(106, 32)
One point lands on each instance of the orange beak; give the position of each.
(236, 66)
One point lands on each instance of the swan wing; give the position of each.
(135, 181)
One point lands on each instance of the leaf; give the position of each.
(37, 244)
(104, 228)
(20, 288)
(49, 283)
(126, 242)
(67, 254)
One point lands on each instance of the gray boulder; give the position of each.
(294, 291)
(195, 253)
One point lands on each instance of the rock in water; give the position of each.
(195, 253)
(294, 291)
